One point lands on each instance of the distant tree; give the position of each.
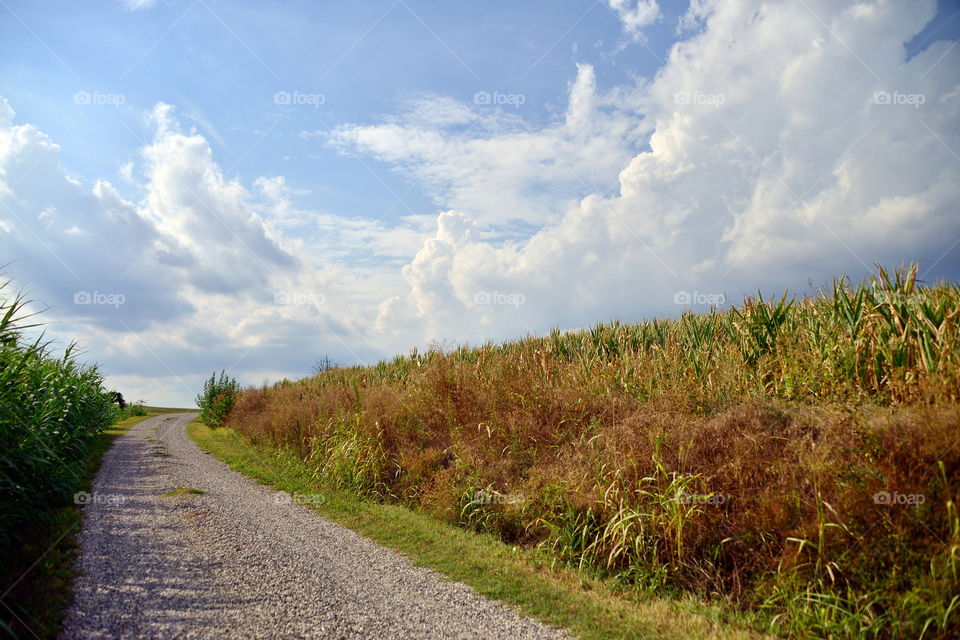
(324, 363)
(118, 400)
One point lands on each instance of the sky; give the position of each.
(195, 185)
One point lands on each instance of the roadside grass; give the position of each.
(590, 607)
(38, 579)
(163, 410)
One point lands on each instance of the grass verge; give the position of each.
(590, 608)
(38, 581)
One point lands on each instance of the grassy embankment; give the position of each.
(520, 577)
(797, 458)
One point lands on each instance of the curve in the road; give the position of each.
(233, 562)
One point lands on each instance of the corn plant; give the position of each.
(50, 408)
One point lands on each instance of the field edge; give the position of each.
(587, 607)
(43, 590)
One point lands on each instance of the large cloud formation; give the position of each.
(790, 141)
(196, 275)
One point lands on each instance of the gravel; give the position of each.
(243, 561)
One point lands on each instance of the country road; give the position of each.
(233, 562)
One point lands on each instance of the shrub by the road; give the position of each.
(217, 398)
(136, 409)
(797, 457)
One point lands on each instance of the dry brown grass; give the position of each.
(736, 455)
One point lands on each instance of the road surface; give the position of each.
(237, 561)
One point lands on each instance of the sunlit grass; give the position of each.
(590, 607)
(735, 455)
(183, 491)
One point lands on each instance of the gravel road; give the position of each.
(234, 562)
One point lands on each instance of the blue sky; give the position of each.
(265, 183)
(221, 64)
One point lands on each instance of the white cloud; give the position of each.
(773, 159)
(635, 15)
(135, 5)
(201, 273)
(487, 163)
(215, 229)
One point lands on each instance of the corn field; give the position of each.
(50, 407)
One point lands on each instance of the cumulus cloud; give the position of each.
(788, 141)
(198, 274)
(486, 162)
(220, 241)
(76, 238)
(635, 15)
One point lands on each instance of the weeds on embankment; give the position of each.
(795, 457)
